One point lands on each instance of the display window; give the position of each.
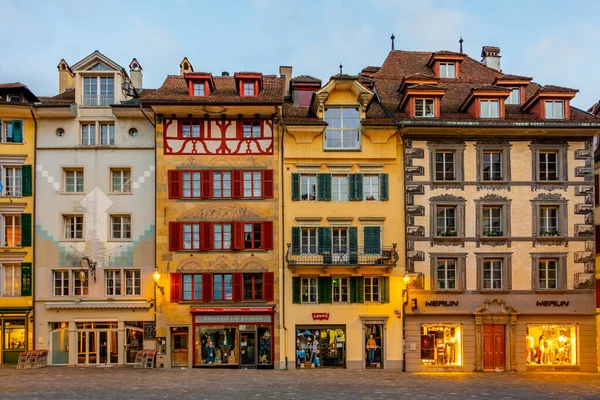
(134, 332)
(14, 334)
(216, 345)
(550, 344)
(60, 343)
(374, 346)
(318, 347)
(441, 345)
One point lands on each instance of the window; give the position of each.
(448, 271)
(221, 184)
(191, 236)
(551, 344)
(548, 166)
(372, 290)
(222, 236)
(494, 271)
(549, 271)
(446, 274)
(73, 227)
(191, 184)
(222, 287)
(424, 108)
(121, 180)
(555, 109)
(252, 184)
(120, 227)
(446, 221)
(489, 109)
(252, 236)
(133, 282)
(371, 187)
(548, 274)
(251, 130)
(98, 90)
(190, 129)
(253, 286)
(444, 166)
(309, 290)
(441, 345)
(192, 287)
(340, 243)
(12, 230)
(113, 283)
(198, 88)
(447, 70)
(492, 221)
(341, 291)
(492, 274)
(308, 187)
(339, 188)
(492, 166)
(61, 283)
(342, 129)
(13, 181)
(88, 134)
(11, 131)
(493, 161)
(308, 241)
(107, 134)
(249, 89)
(80, 282)
(549, 225)
(514, 97)
(74, 180)
(12, 280)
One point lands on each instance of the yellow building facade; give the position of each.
(342, 225)
(17, 155)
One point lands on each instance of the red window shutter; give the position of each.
(207, 287)
(174, 236)
(267, 235)
(238, 235)
(237, 183)
(267, 183)
(237, 279)
(596, 187)
(597, 239)
(206, 235)
(175, 288)
(174, 184)
(268, 289)
(206, 183)
(239, 124)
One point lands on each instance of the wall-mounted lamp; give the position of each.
(156, 276)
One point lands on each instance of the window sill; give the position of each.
(494, 291)
(119, 193)
(550, 291)
(450, 291)
(214, 198)
(500, 182)
(561, 182)
(71, 193)
(5, 196)
(338, 150)
(210, 250)
(11, 248)
(492, 238)
(448, 238)
(11, 143)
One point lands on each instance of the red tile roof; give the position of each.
(12, 85)
(305, 79)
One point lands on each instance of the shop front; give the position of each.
(231, 337)
(14, 333)
(319, 346)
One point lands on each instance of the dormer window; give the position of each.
(424, 108)
(249, 84)
(514, 97)
(342, 128)
(198, 89)
(249, 89)
(555, 109)
(13, 98)
(447, 70)
(200, 84)
(489, 109)
(98, 90)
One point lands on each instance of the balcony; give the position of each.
(384, 256)
(98, 99)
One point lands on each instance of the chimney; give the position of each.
(135, 73)
(224, 73)
(286, 72)
(185, 66)
(65, 77)
(490, 56)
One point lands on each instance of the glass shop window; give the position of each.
(14, 334)
(441, 345)
(320, 347)
(374, 346)
(551, 344)
(216, 345)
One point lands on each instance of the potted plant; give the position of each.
(370, 198)
(489, 233)
(448, 232)
(550, 232)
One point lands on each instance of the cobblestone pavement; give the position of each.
(128, 383)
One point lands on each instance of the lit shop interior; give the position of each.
(551, 344)
(233, 345)
(441, 345)
(320, 347)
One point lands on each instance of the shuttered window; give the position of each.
(220, 184)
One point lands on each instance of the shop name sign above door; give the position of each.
(441, 303)
(321, 316)
(238, 319)
(552, 303)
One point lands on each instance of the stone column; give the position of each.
(478, 344)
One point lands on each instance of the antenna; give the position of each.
(341, 66)
(461, 42)
(392, 37)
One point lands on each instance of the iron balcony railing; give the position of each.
(98, 99)
(362, 256)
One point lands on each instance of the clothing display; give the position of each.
(316, 348)
(555, 344)
(216, 346)
(440, 345)
(374, 346)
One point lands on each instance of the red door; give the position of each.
(493, 347)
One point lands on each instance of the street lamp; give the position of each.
(407, 280)
(156, 276)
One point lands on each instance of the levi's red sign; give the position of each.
(320, 316)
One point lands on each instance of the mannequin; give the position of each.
(544, 349)
(530, 342)
(371, 346)
(210, 350)
(314, 347)
(561, 344)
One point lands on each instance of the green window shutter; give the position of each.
(353, 244)
(324, 239)
(26, 229)
(372, 239)
(17, 131)
(324, 187)
(26, 279)
(324, 289)
(385, 289)
(295, 187)
(358, 187)
(360, 289)
(296, 289)
(377, 239)
(27, 173)
(383, 187)
(351, 186)
(295, 240)
(353, 289)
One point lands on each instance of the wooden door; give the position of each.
(493, 347)
(179, 349)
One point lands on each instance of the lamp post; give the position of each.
(406, 281)
(156, 277)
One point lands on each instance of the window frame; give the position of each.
(367, 183)
(108, 140)
(486, 105)
(249, 84)
(423, 101)
(16, 278)
(63, 278)
(372, 285)
(447, 201)
(131, 282)
(4, 124)
(554, 103)
(561, 270)
(492, 146)
(191, 122)
(222, 181)
(309, 178)
(253, 183)
(99, 99)
(461, 276)
(196, 86)
(493, 200)
(91, 134)
(509, 99)
(252, 123)
(122, 182)
(18, 189)
(257, 279)
(560, 148)
(195, 237)
(193, 285)
(78, 173)
(15, 227)
(225, 294)
(310, 238)
(506, 260)
(309, 286)
(65, 217)
(337, 190)
(458, 148)
(342, 130)
(446, 70)
(549, 201)
(113, 282)
(223, 232)
(122, 224)
(252, 232)
(83, 288)
(340, 286)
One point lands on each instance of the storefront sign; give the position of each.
(231, 309)
(324, 316)
(552, 303)
(237, 319)
(149, 330)
(442, 303)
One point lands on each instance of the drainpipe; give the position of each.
(282, 233)
(404, 281)
(34, 267)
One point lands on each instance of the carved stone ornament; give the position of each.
(537, 186)
(222, 263)
(447, 197)
(253, 263)
(446, 185)
(445, 141)
(504, 186)
(549, 196)
(188, 162)
(494, 142)
(220, 213)
(191, 264)
(493, 197)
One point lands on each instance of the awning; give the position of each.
(97, 305)
(5, 311)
